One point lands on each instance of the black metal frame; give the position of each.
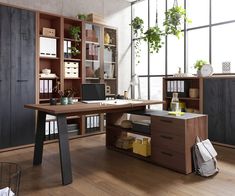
(185, 30)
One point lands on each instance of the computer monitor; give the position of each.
(93, 92)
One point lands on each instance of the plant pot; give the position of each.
(199, 73)
(70, 100)
(64, 100)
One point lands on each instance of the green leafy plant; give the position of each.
(75, 31)
(82, 16)
(137, 25)
(174, 18)
(199, 63)
(154, 37)
(138, 29)
(75, 51)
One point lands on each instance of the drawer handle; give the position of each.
(166, 137)
(22, 80)
(168, 154)
(164, 120)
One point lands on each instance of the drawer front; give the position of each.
(169, 159)
(167, 125)
(168, 141)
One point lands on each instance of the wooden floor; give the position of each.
(97, 171)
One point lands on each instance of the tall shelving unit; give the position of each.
(96, 63)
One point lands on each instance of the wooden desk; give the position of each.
(60, 111)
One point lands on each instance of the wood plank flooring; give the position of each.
(101, 172)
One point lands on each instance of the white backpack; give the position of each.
(204, 158)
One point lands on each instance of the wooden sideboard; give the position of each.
(172, 137)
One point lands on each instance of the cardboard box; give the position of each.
(48, 32)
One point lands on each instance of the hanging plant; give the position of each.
(174, 19)
(154, 37)
(138, 29)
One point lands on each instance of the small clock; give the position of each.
(206, 70)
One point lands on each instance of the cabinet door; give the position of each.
(229, 111)
(214, 105)
(22, 75)
(4, 77)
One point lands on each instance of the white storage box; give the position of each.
(47, 47)
(71, 69)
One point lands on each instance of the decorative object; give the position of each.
(106, 38)
(175, 106)
(53, 101)
(193, 92)
(70, 100)
(226, 67)
(46, 71)
(64, 100)
(206, 70)
(105, 75)
(48, 32)
(135, 81)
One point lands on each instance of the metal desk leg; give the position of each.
(65, 161)
(40, 134)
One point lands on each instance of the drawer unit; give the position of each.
(169, 159)
(169, 141)
(168, 125)
(71, 70)
(172, 139)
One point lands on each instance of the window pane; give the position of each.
(198, 47)
(157, 62)
(222, 10)
(175, 55)
(160, 7)
(141, 60)
(143, 85)
(223, 46)
(156, 91)
(140, 9)
(197, 13)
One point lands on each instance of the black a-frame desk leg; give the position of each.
(65, 160)
(39, 139)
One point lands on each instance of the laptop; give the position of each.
(93, 93)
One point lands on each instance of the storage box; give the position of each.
(142, 147)
(125, 142)
(95, 18)
(71, 70)
(142, 126)
(48, 47)
(48, 32)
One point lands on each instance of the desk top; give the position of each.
(91, 108)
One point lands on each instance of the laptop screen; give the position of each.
(93, 92)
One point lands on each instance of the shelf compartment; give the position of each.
(118, 128)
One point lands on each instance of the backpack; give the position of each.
(204, 158)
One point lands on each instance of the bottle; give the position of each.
(175, 106)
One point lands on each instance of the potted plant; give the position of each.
(74, 32)
(198, 65)
(69, 93)
(82, 16)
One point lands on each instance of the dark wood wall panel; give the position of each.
(219, 104)
(5, 50)
(17, 35)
